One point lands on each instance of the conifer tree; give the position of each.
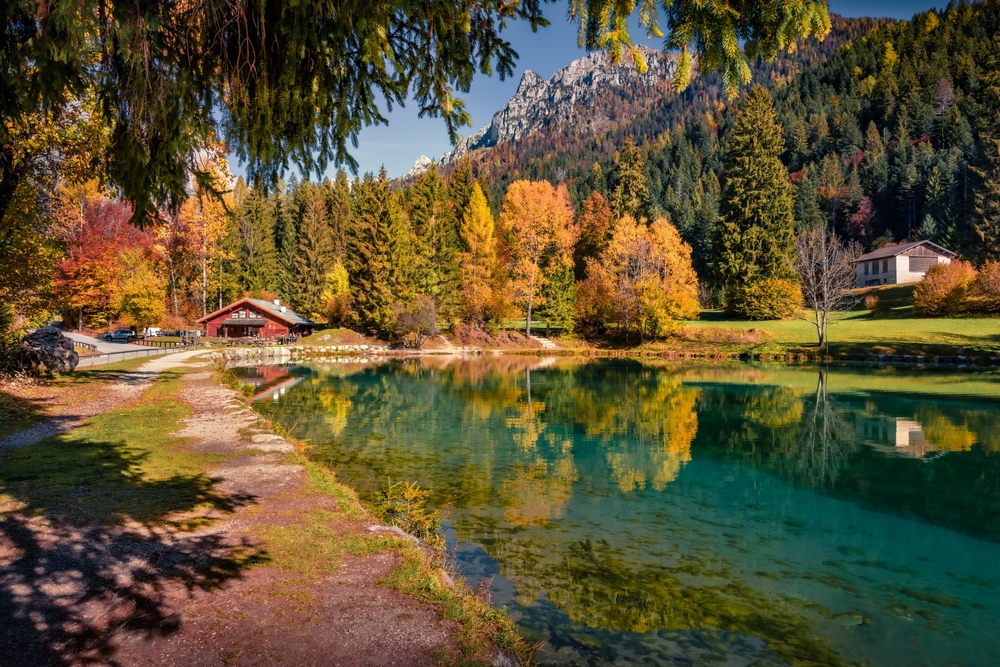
(631, 194)
(256, 258)
(314, 259)
(479, 260)
(338, 207)
(987, 216)
(460, 189)
(756, 233)
(379, 257)
(437, 244)
(287, 238)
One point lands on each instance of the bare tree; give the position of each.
(826, 274)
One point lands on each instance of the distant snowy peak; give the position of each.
(580, 96)
(422, 164)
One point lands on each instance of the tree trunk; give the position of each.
(173, 281)
(527, 322)
(204, 285)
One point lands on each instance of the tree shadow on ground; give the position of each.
(95, 537)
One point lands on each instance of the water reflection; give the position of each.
(639, 513)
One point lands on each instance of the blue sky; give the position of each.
(407, 137)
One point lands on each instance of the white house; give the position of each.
(897, 264)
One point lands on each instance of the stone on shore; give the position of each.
(48, 351)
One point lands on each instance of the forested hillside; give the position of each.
(568, 154)
(894, 135)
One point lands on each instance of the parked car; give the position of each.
(152, 332)
(120, 336)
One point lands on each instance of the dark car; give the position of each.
(120, 336)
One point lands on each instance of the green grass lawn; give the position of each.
(857, 332)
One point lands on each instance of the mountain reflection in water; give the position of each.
(660, 513)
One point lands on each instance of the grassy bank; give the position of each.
(853, 333)
(25, 401)
(126, 468)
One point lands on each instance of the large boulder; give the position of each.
(48, 351)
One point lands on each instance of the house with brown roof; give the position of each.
(255, 318)
(898, 264)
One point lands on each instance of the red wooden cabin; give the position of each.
(255, 318)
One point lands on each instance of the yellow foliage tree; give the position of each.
(140, 296)
(538, 219)
(203, 217)
(479, 259)
(643, 281)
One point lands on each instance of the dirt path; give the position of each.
(128, 388)
(159, 595)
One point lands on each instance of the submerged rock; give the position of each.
(48, 351)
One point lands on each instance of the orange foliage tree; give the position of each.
(643, 282)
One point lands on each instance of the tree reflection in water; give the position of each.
(639, 497)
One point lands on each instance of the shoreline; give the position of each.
(254, 552)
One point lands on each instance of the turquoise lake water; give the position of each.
(657, 514)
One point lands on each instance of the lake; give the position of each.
(633, 513)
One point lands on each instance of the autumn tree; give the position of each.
(538, 220)
(643, 282)
(479, 259)
(141, 293)
(595, 229)
(756, 231)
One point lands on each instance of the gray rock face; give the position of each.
(48, 351)
(570, 98)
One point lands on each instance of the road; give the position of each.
(102, 346)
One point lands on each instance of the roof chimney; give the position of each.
(277, 301)
(282, 309)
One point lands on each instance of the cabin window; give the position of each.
(875, 267)
(885, 266)
(866, 268)
(242, 314)
(252, 315)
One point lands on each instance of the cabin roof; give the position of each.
(893, 250)
(269, 307)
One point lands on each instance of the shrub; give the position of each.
(871, 303)
(986, 288)
(945, 290)
(404, 505)
(417, 322)
(768, 299)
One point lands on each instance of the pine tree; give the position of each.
(338, 208)
(255, 256)
(756, 233)
(314, 258)
(987, 217)
(460, 189)
(631, 195)
(380, 257)
(437, 244)
(287, 238)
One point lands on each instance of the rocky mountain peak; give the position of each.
(583, 96)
